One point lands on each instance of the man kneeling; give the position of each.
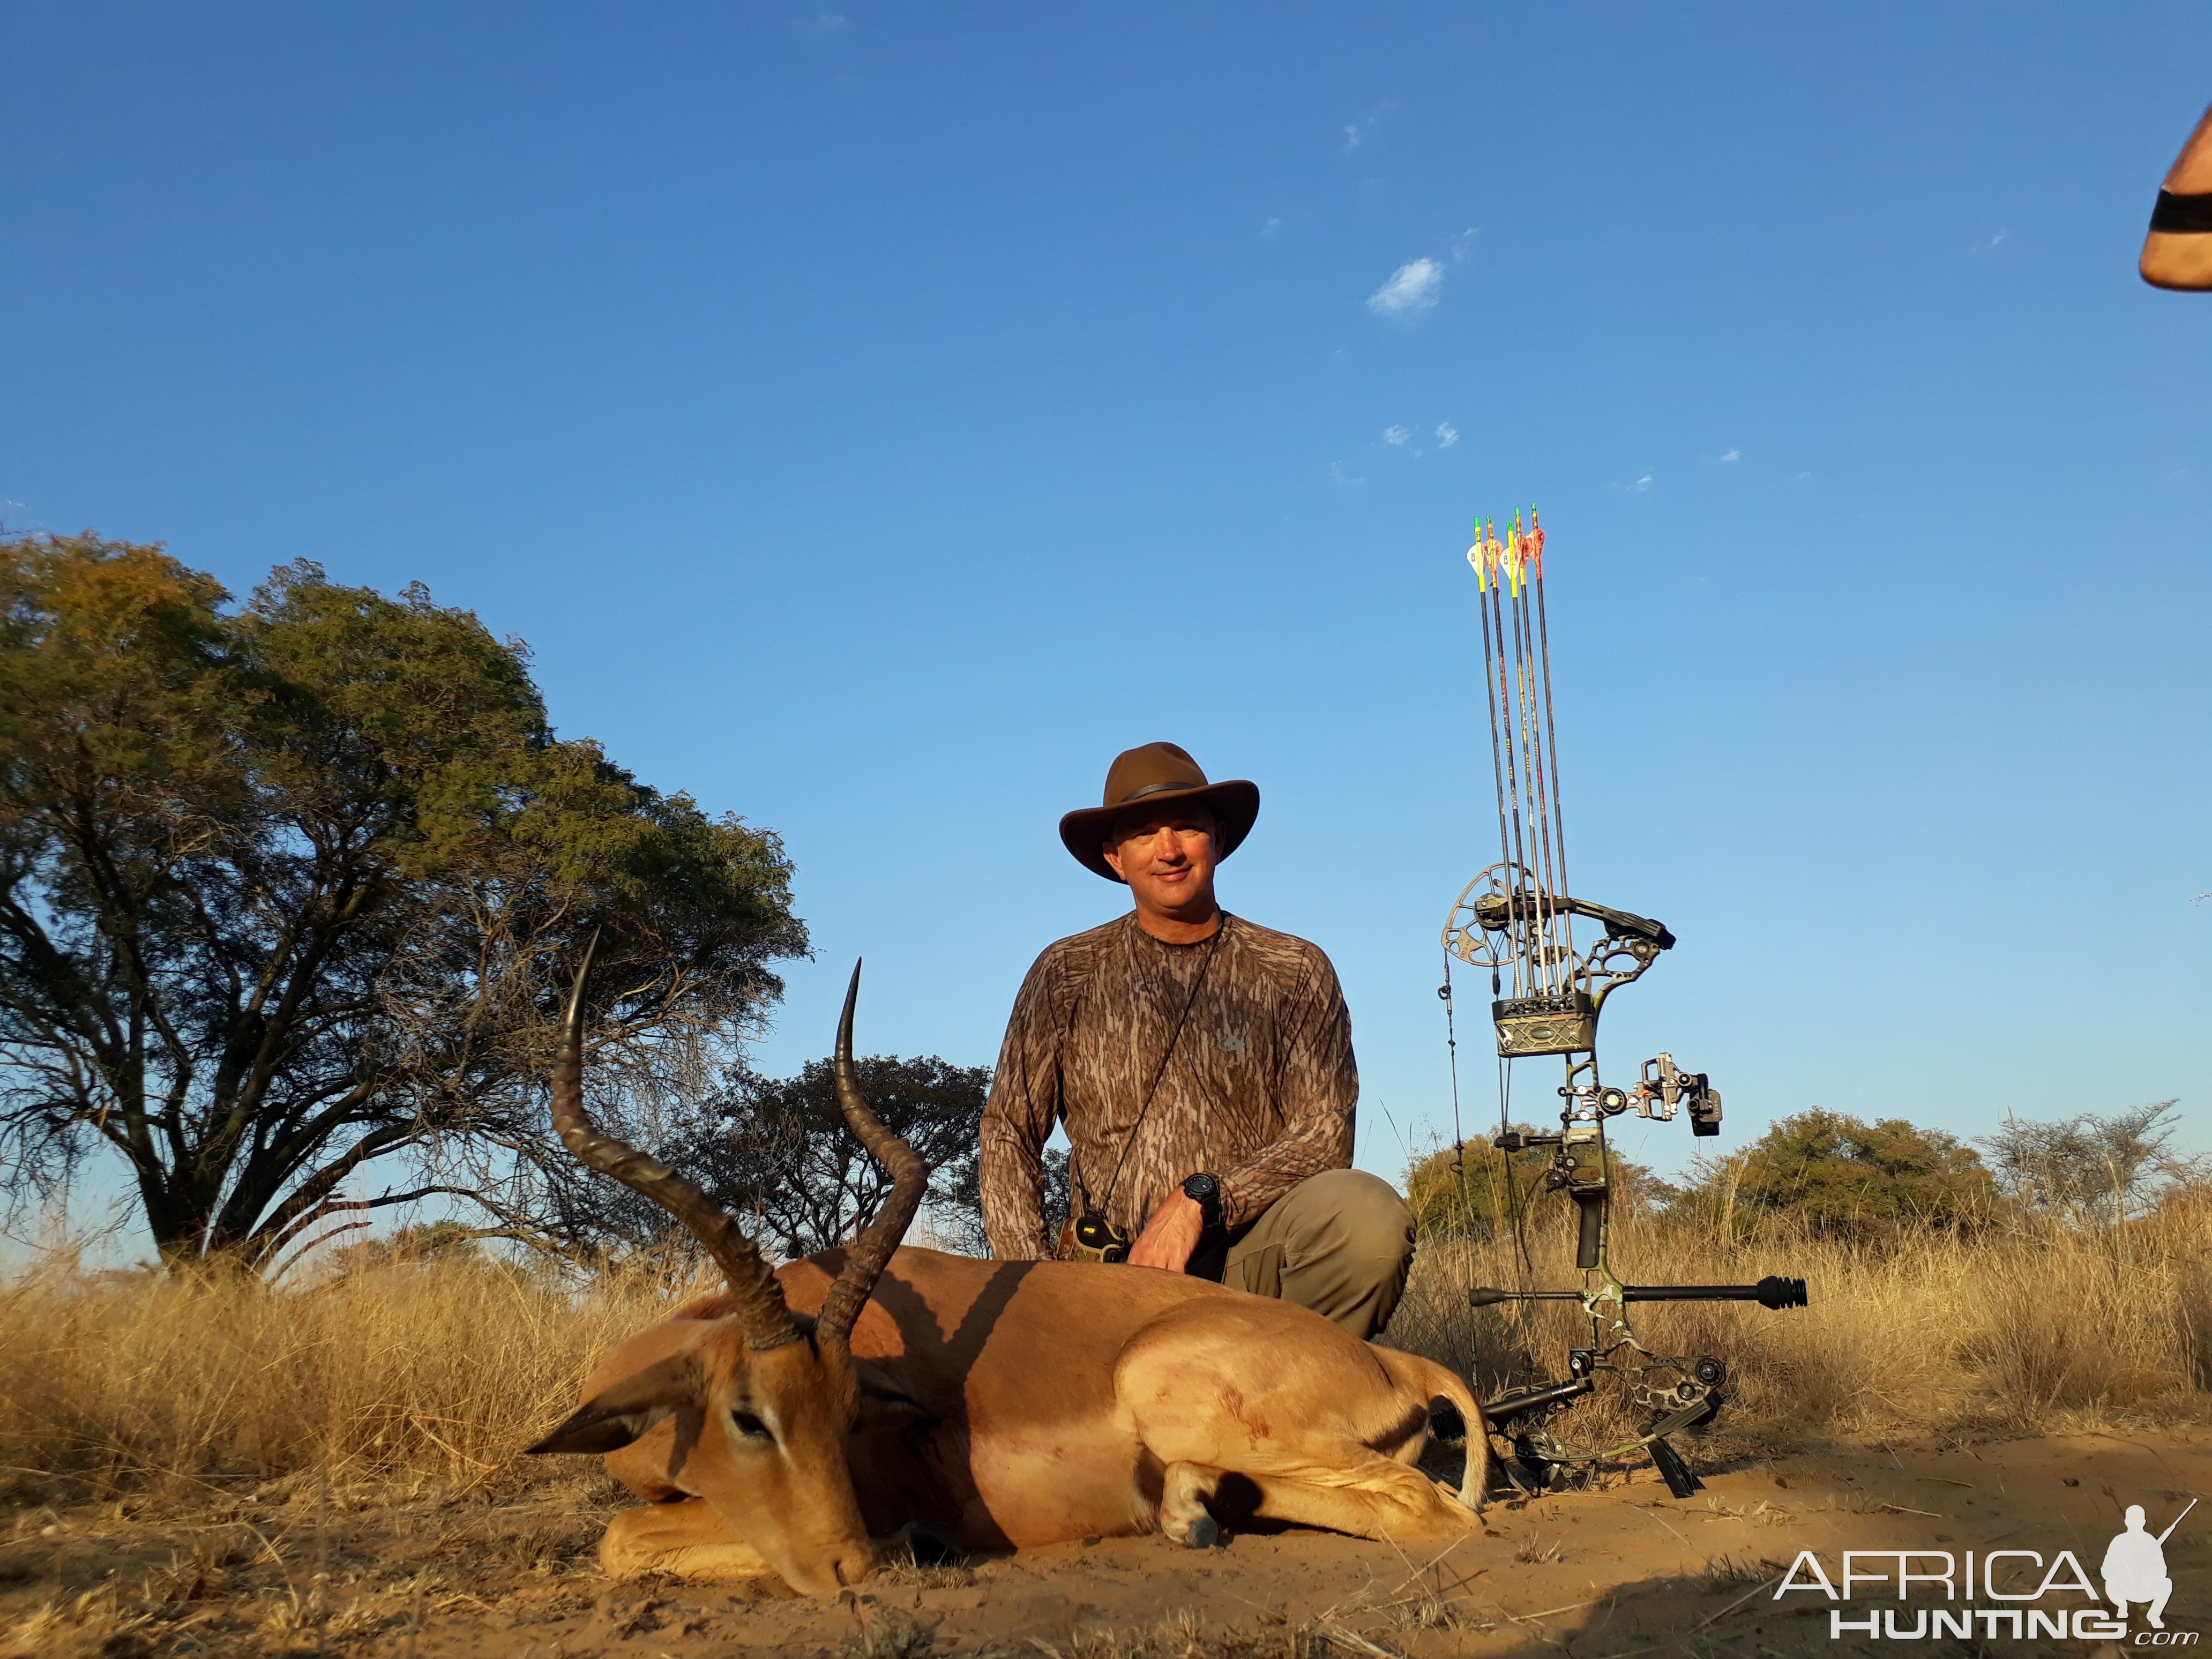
(1202, 1064)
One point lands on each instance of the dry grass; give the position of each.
(422, 1376)
(2034, 1329)
(1188, 1636)
(431, 1377)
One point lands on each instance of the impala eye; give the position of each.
(750, 1427)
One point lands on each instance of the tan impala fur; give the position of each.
(997, 1404)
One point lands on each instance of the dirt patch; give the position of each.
(1597, 1574)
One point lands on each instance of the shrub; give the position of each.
(1839, 1176)
(1473, 1191)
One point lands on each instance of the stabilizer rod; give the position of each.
(1772, 1291)
(1508, 1406)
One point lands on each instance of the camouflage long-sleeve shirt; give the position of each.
(1260, 1090)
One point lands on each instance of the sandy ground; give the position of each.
(1599, 1575)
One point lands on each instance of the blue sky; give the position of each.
(874, 419)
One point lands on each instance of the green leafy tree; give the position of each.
(1842, 1176)
(1473, 1191)
(779, 1151)
(812, 1182)
(289, 894)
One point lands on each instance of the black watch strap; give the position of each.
(1204, 1189)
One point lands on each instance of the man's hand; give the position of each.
(1169, 1236)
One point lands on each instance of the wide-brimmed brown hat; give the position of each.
(1158, 775)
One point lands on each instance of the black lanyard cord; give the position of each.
(1188, 1003)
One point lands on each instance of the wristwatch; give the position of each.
(1205, 1191)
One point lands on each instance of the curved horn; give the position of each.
(871, 1249)
(753, 1287)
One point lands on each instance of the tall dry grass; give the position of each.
(435, 1374)
(2033, 1327)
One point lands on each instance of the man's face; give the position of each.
(1167, 857)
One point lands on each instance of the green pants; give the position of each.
(1339, 1243)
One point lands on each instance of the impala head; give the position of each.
(763, 1400)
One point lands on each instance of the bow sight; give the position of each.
(1517, 918)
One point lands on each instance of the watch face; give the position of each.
(1201, 1189)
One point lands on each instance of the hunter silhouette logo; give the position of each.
(1933, 1593)
(2134, 1567)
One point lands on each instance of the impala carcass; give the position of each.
(776, 1427)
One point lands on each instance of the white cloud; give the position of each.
(1411, 290)
(1338, 474)
(1644, 482)
(1271, 226)
(1733, 455)
(1396, 434)
(1462, 245)
(1447, 435)
(1357, 132)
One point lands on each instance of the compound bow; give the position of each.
(1517, 918)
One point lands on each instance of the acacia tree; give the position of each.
(289, 892)
(779, 1151)
(784, 1151)
(2092, 1166)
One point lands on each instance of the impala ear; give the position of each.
(614, 1417)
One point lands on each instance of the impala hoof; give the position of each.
(1203, 1533)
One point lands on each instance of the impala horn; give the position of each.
(756, 1295)
(871, 1247)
